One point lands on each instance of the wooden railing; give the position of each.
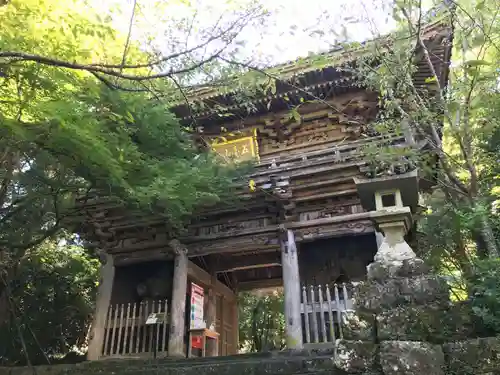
(323, 309)
(126, 332)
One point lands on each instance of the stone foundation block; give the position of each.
(411, 358)
(355, 356)
(374, 296)
(473, 357)
(379, 271)
(432, 323)
(359, 327)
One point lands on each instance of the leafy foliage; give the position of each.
(124, 143)
(68, 132)
(52, 302)
(453, 122)
(485, 294)
(261, 321)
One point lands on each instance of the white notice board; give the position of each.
(197, 295)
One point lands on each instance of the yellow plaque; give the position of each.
(241, 149)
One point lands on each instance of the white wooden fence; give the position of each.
(126, 332)
(322, 309)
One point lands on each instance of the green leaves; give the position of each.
(54, 293)
(459, 123)
(261, 322)
(476, 63)
(295, 115)
(64, 133)
(485, 294)
(123, 143)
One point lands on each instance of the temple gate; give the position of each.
(305, 219)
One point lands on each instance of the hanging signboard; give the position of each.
(197, 295)
(241, 149)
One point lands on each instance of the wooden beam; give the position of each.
(310, 229)
(140, 256)
(241, 262)
(329, 220)
(298, 159)
(274, 228)
(237, 244)
(245, 286)
(236, 233)
(262, 239)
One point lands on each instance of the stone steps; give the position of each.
(267, 357)
(282, 363)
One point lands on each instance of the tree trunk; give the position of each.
(4, 305)
(257, 344)
(485, 239)
(460, 253)
(5, 276)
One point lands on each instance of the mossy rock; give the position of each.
(474, 356)
(359, 326)
(432, 323)
(378, 296)
(355, 356)
(411, 358)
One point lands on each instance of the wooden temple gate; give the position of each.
(127, 334)
(126, 331)
(312, 183)
(323, 309)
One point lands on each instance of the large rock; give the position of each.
(411, 358)
(376, 296)
(380, 271)
(355, 356)
(474, 357)
(359, 326)
(432, 323)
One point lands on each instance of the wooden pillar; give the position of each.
(222, 333)
(211, 317)
(291, 286)
(236, 327)
(178, 303)
(212, 302)
(236, 316)
(107, 275)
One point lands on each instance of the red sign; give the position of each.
(196, 342)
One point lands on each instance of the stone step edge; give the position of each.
(257, 357)
(200, 364)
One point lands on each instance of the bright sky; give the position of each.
(294, 27)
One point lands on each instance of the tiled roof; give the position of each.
(323, 75)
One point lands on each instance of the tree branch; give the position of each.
(486, 35)
(234, 25)
(106, 71)
(129, 34)
(116, 70)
